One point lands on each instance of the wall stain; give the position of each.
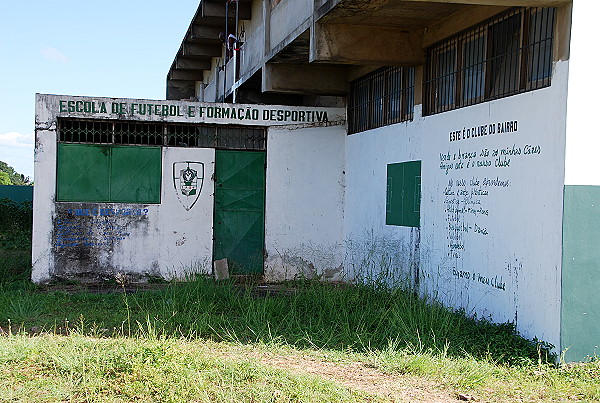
(85, 236)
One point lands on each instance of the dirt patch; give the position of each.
(260, 290)
(102, 288)
(357, 376)
(360, 377)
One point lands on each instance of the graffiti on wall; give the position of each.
(87, 236)
(476, 178)
(94, 226)
(188, 178)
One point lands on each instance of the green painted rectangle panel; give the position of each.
(411, 203)
(241, 169)
(239, 220)
(98, 173)
(241, 199)
(580, 316)
(239, 237)
(395, 179)
(403, 194)
(82, 173)
(136, 174)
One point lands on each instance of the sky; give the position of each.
(109, 48)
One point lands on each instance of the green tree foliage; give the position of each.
(5, 179)
(14, 178)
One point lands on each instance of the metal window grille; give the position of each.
(381, 98)
(138, 133)
(507, 55)
(191, 135)
(86, 131)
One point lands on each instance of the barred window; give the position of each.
(381, 98)
(507, 55)
(87, 131)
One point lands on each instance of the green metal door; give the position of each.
(239, 220)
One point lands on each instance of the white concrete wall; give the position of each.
(186, 237)
(493, 250)
(156, 240)
(376, 251)
(305, 203)
(95, 241)
(43, 192)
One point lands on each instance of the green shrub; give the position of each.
(16, 221)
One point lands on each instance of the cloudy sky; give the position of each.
(110, 48)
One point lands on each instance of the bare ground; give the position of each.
(357, 376)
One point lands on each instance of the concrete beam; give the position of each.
(326, 7)
(177, 89)
(458, 21)
(214, 21)
(186, 75)
(201, 50)
(183, 63)
(217, 9)
(205, 33)
(304, 79)
(362, 44)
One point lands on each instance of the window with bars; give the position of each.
(84, 131)
(507, 55)
(381, 98)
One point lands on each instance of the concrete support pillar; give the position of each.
(267, 25)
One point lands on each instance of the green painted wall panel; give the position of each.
(403, 194)
(411, 203)
(580, 316)
(393, 202)
(239, 237)
(239, 223)
(94, 173)
(82, 173)
(242, 199)
(135, 174)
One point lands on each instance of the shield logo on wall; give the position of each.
(188, 178)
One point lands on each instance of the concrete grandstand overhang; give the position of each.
(201, 42)
(339, 33)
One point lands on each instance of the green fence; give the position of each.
(16, 193)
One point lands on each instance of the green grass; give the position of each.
(198, 341)
(309, 315)
(78, 368)
(117, 339)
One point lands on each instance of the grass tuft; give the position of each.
(175, 343)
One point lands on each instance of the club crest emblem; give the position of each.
(188, 178)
